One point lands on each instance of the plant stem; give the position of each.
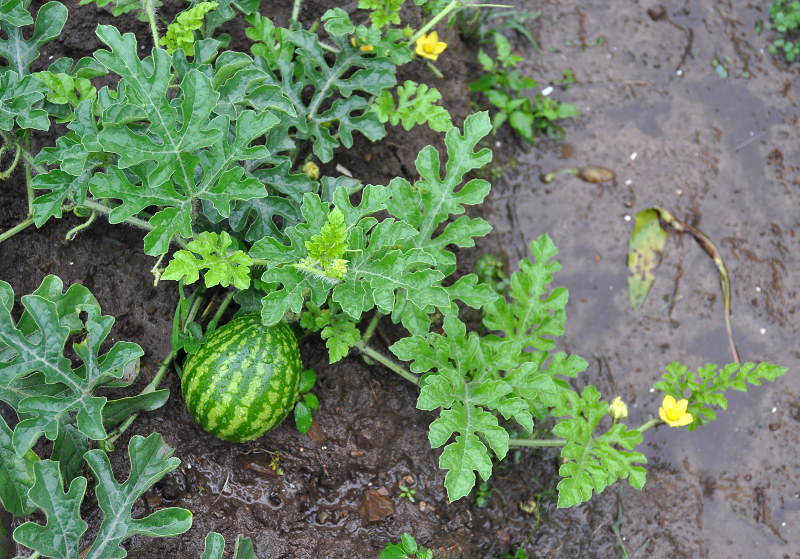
(537, 442)
(117, 433)
(102, 208)
(296, 10)
(147, 8)
(28, 175)
(445, 11)
(74, 231)
(435, 70)
(365, 337)
(386, 362)
(436, 19)
(16, 229)
(193, 310)
(652, 422)
(222, 308)
(7, 173)
(135, 221)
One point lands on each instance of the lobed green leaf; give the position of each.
(150, 460)
(591, 463)
(16, 475)
(39, 381)
(420, 109)
(20, 52)
(18, 100)
(225, 265)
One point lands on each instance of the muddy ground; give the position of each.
(721, 154)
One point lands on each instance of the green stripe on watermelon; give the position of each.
(244, 380)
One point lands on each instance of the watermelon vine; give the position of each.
(200, 147)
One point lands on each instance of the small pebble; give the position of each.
(627, 218)
(633, 156)
(547, 91)
(763, 330)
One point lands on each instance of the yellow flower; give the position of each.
(617, 409)
(429, 46)
(311, 170)
(674, 413)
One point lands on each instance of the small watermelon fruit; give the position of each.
(244, 380)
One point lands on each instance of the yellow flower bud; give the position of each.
(311, 170)
(617, 409)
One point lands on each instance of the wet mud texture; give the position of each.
(720, 154)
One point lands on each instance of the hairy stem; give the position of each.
(436, 19)
(135, 221)
(296, 10)
(147, 8)
(4, 174)
(28, 174)
(386, 362)
(16, 229)
(220, 311)
(444, 13)
(652, 422)
(117, 433)
(74, 231)
(365, 337)
(537, 442)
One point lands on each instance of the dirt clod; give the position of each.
(375, 507)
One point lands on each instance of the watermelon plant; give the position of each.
(204, 148)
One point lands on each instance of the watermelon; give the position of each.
(244, 380)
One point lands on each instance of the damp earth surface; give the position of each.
(719, 153)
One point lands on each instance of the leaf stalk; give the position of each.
(75, 230)
(147, 8)
(386, 362)
(537, 442)
(16, 229)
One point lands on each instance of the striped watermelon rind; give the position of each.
(244, 380)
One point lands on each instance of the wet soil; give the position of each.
(721, 154)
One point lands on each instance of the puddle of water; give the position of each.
(714, 152)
